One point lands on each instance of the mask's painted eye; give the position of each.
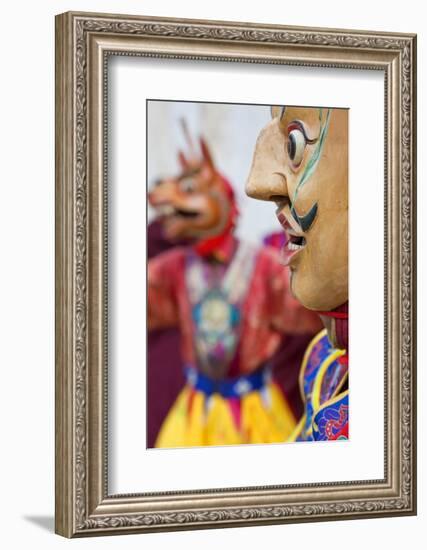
(187, 185)
(296, 146)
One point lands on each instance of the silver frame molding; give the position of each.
(83, 44)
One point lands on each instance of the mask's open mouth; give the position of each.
(296, 242)
(295, 239)
(167, 211)
(186, 213)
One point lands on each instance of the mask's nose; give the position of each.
(150, 198)
(161, 191)
(267, 180)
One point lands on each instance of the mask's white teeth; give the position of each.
(165, 210)
(293, 246)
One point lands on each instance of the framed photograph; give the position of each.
(228, 196)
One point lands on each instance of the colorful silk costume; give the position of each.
(232, 308)
(324, 386)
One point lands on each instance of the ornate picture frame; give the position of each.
(84, 42)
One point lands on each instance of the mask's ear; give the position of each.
(183, 162)
(207, 157)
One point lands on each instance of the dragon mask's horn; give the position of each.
(188, 138)
(183, 162)
(186, 161)
(207, 157)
